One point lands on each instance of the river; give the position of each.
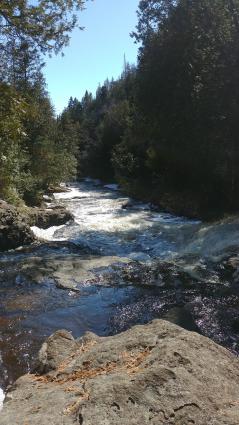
(121, 262)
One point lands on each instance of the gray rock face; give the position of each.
(156, 374)
(14, 231)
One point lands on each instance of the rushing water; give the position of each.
(120, 262)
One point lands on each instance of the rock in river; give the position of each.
(15, 224)
(157, 374)
(48, 217)
(14, 230)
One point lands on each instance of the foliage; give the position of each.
(43, 24)
(12, 155)
(99, 124)
(33, 153)
(171, 124)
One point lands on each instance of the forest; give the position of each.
(33, 153)
(166, 130)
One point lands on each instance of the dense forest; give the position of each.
(166, 130)
(33, 153)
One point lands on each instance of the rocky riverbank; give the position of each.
(15, 223)
(152, 374)
(48, 217)
(14, 229)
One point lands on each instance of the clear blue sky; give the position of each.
(95, 53)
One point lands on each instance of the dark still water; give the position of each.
(119, 263)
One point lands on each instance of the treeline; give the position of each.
(33, 153)
(167, 130)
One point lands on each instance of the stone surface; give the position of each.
(156, 374)
(14, 230)
(15, 224)
(48, 217)
(58, 346)
(58, 189)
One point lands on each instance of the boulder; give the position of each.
(48, 217)
(58, 189)
(156, 374)
(127, 205)
(14, 230)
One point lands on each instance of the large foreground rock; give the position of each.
(14, 231)
(157, 374)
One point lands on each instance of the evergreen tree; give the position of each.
(33, 154)
(171, 124)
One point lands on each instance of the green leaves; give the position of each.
(44, 24)
(32, 155)
(12, 136)
(172, 123)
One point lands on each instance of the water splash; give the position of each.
(2, 397)
(47, 234)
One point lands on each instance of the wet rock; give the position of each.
(235, 325)
(67, 284)
(156, 373)
(154, 207)
(139, 256)
(127, 205)
(142, 271)
(132, 205)
(48, 217)
(58, 189)
(14, 230)
(181, 317)
(47, 198)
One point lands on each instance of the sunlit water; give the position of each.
(120, 262)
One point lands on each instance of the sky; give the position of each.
(95, 53)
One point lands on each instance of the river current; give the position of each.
(119, 263)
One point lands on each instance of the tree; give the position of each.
(32, 153)
(29, 29)
(45, 24)
(172, 123)
(13, 156)
(151, 16)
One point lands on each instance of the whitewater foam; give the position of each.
(47, 234)
(2, 397)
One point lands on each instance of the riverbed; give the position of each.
(120, 262)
